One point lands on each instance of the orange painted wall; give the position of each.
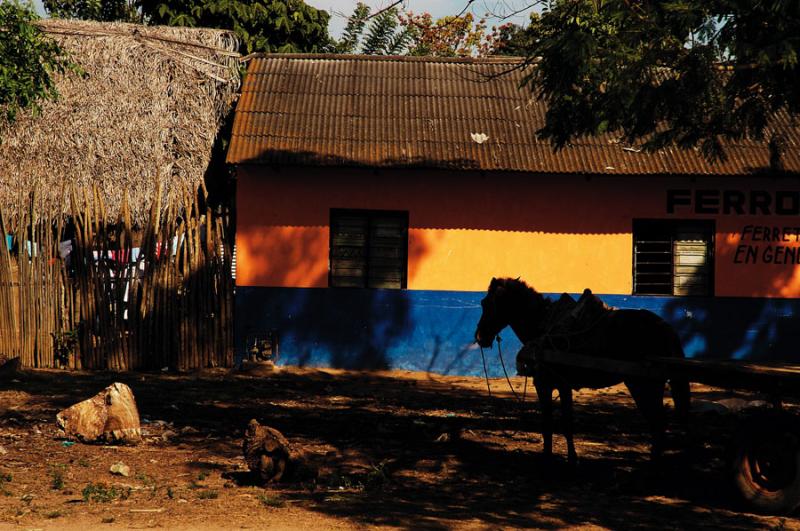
(560, 233)
(465, 259)
(755, 279)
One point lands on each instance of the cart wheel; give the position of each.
(766, 464)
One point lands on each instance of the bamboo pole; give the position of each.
(158, 310)
(8, 325)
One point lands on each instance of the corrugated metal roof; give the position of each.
(413, 111)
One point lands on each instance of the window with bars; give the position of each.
(368, 249)
(672, 257)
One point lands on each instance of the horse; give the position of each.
(628, 335)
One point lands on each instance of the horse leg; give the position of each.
(681, 395)
(649, 398)
(545, 393)
(565, 395)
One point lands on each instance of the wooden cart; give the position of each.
(765, 453)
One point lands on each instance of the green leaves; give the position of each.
(262, 25)
(384, 34)
(649, 71)
(353, 30)
(28, 60)
(103, 10)
(390, 32)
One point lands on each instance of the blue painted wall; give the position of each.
(433, 330)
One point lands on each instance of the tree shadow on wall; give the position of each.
(356, 327)
(347, 328)
(744, 329)
(757, 328)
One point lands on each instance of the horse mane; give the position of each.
(515, 285)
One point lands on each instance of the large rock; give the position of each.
(109, 416)
(270, 456)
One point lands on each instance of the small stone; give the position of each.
(167, 435)
(121, 469)
(3, 451)
(188, 430)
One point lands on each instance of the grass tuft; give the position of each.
(57, 476)
(271, 501)
(102, 493)
(5, 478)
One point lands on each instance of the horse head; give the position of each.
(495, 314)
(509, 301)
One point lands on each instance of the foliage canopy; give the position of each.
(391, 32)
(28, 60)
(102, 10)
(286, 26)
(451, 36)
(690, 73)
(378, 34)
(262, 25)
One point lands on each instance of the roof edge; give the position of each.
(492, 59)
(757, 173)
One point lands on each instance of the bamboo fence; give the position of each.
(147, 296)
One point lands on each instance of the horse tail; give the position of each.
(678, 386)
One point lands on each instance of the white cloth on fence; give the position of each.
(65, 249)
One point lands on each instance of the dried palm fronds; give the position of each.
(149, 106)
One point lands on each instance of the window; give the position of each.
(673, 257)
(369, 249)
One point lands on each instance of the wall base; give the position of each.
(433, 330)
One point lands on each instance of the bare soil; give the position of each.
(398, 450)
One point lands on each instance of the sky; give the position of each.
(340, 9)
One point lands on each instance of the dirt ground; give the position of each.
(398, 450)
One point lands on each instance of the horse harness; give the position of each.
(566, 320)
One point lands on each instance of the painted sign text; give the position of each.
(770, 248)
(734, 202)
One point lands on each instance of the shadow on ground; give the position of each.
(432, 453)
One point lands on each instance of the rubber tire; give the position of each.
(753, 433)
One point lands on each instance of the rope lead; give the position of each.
(503, 364)
(485, 372)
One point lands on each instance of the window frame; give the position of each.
(706, 226)
(369, 213)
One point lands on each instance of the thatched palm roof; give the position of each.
(148, 107)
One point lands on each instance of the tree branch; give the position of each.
(387, 8)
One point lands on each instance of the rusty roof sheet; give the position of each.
(424, 112)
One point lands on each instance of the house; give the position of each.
(378, 196)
